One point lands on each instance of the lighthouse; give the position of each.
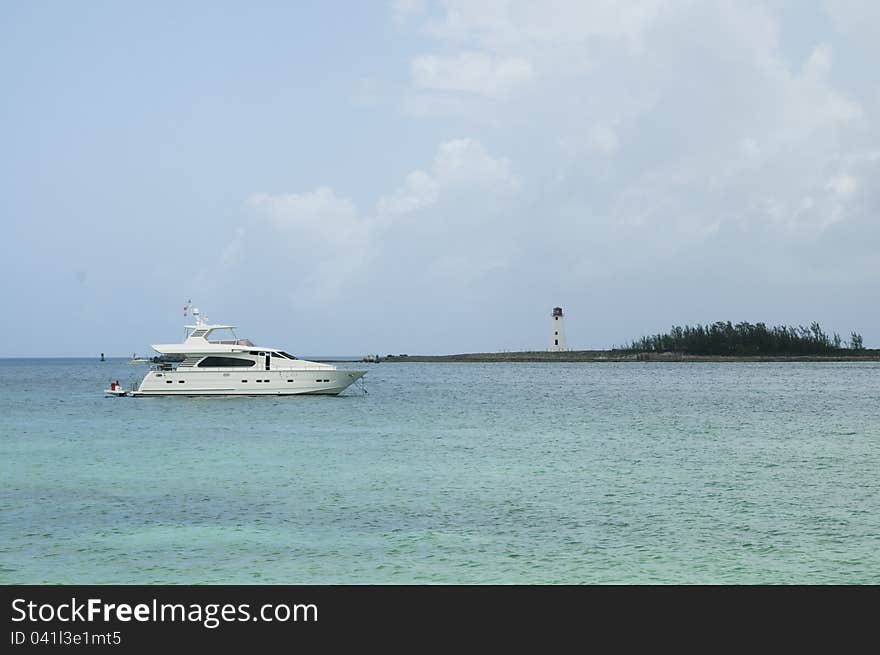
(557, 331)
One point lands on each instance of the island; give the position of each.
(715, 342)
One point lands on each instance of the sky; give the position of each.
(434, 177)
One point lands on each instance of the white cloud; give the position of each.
(325, 241)
(420, 190)
(604, 138)
(404, 10)
(232, 251)
(750, 147)
(458, 164)
(656, 146)
(439, 105)
(472, 72)
(320, 212)
(313, 241)
(819, 62)
(744, 135)
(467, 162)
(520, 25)
(718, 134)
(843, 185)
(858, 19)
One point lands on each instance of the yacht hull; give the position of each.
(195, 382)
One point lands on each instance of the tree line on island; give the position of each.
(745, 338)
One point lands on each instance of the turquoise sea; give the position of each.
(447, 473)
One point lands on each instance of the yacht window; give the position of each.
(199, 333)
(285, 355)
(212, 362)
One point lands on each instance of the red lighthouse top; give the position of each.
(557, 311)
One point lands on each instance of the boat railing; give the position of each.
(234, 342)
(300, 366)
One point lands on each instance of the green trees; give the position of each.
(855, 342)
(744, 338)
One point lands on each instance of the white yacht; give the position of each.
(236, 367)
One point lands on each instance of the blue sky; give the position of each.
(434, 177)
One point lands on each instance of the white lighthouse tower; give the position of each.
(557, 332)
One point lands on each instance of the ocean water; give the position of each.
(448, 473)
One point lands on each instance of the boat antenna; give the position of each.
(186, 309)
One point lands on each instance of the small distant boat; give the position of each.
(115, 391)
(138, 360)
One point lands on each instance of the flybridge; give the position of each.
(202, 328)
(198, 339)
(200, 334)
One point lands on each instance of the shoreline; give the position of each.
(608, 356)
